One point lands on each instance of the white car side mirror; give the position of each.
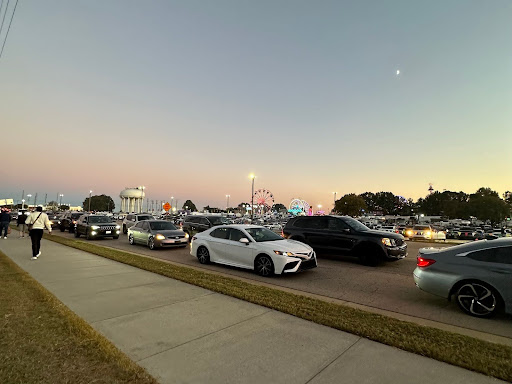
(244, 240)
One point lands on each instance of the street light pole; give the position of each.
(60, 204)
(227, 202)
(90, 197)
(252, 196)
(334, 193)
(28, 201)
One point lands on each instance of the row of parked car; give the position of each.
(431, 232)
(477, 274)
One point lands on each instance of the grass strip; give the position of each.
(42, 341)
(460, 350)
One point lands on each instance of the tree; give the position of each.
(351, 205)
(385, 202)
(102, 203)
(189, 205)
(53, 205)
(279, 207)
(369, 199)
(486, 204)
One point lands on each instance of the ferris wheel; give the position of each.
(263, 198)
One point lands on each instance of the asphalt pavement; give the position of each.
(185, 334)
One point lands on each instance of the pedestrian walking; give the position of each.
(36, 222)
(5, 219)
(22, 217)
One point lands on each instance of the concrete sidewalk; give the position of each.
(185, 334)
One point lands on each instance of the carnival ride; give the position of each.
(299, 207)
(263, 200)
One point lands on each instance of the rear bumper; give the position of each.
(435, 283)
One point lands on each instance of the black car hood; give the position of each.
(389, 235)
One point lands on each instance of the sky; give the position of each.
(189, 97)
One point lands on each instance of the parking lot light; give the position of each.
(252, 176)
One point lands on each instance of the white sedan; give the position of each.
(252, 247)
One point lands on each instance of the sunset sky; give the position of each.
(189, 97)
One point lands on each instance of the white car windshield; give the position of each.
(263, 234)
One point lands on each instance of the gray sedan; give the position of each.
(478, 274)
(157, 234)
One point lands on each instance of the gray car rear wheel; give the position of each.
(477, 299)
(151, 243)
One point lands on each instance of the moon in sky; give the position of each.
(397, 72)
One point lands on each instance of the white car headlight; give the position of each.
(160, 237)
(94, 227)
(282, 253)
(187, 235)
(118, 227)
(388, 242)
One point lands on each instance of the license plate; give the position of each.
(108, 232)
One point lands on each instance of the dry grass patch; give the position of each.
(460, 350)
(42, 341)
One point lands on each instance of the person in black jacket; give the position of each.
(5, 218)
(22, 217)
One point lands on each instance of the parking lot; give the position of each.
(388, 287)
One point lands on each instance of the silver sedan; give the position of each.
(157, 234)
(478, 274)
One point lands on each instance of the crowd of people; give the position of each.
(35, 221)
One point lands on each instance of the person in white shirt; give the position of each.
(39, 221)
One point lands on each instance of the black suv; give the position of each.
(196, 223)
(96, 226)
(68, 221)
(346, 235)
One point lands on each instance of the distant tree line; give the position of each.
(484, 204)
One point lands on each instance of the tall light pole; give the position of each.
(252, 176)
(22, 203)
(90, 197)
(334, 208)
(227, 202)
(61, 196)
(172, 202)
(28, 201)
